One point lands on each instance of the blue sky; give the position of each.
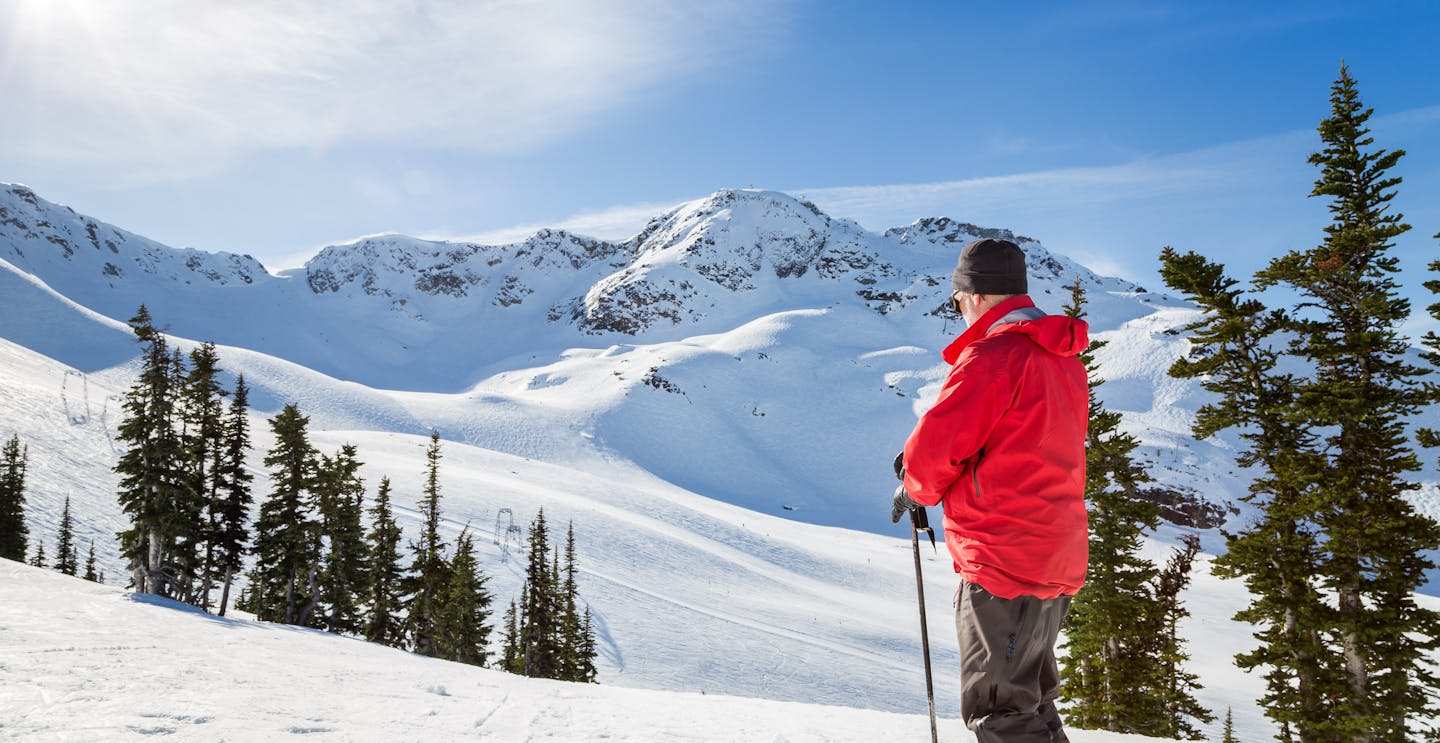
(1104, 129)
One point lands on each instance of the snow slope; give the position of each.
(84, 662)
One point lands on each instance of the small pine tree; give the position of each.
(13, 532)
(66, 560)
(383, 624)
(90, 573)
(151, 469)
(344, 581)
(539, 636)
(282, 585)
(234, 498)
(1229, 734)
(512, 659)
(1175, 693)
(429, 570)
(39, 560)
(461, 624)
(204, 445)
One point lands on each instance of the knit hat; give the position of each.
(990, 266)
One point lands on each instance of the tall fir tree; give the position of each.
(151, 469)
(14, 534)
(345, 578)
(577, 634)
(67, 558)
(540, 643)
(204, 443)
(1235, 356)
(1105, 672)
(383, 623)
(462, 629)
(429, 571)
(1362, 393)
(232, 512)
(282, 585)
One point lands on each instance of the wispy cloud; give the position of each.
(176, 86)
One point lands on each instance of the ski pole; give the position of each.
(920, 522)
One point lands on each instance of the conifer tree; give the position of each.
(1228, 736)
(282, 585)
(538, 641)
(585, 672)
(383, 624)
(13, 532)
(90, 573)
(1105, 671)
(1362, 393)
(1233, 355)
(462, 631)
(204, 443)
(151, 469)
(1175, 694)
(233, 482)
(429, 570)
(39, 560)
(512, 659)
(67, 560)
(344, 581)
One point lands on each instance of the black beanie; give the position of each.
(990, 266)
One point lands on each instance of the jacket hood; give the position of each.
(1058, 334)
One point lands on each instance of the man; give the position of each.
(1003, 449)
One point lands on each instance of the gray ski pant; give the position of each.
(1009, 679)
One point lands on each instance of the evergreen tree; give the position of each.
(383, 624)
(232, 510)
(286, 534)
(430, 569)
(1233, 356)
(90, 573)
(204, 445)
(1362, 393)
(1229, 734)
(585, 672)
(67, 560)
(540, 642)
(1175, 694)
(512, 659)
(13, 532)
(344, 582)
(151, 469)
(1106, 672)
(461, 629)
(39, 560)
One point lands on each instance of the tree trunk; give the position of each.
(225, 592)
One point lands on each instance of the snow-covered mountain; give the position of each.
(707, 402)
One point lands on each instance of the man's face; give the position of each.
(970, 306)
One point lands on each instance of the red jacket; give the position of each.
(1004, 448)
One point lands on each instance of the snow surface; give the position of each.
(725, 459)
(86, 662)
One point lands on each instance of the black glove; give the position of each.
(901, 504)
(900, 466)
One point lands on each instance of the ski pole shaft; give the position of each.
(924, 630)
